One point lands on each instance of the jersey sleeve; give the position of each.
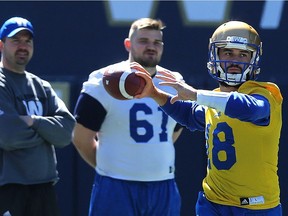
(249, 108)
(89, 112)
(187, 113)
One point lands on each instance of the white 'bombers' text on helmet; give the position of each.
(239, 35)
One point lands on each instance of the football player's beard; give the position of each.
(147, 62)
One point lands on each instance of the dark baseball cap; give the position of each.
(14, 25)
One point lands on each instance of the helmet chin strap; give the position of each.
(233, 79)
(228, 85)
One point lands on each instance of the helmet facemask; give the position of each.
(234, 37)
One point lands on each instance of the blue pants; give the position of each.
(206, 208)
(114, 197)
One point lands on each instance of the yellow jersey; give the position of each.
(242, 156)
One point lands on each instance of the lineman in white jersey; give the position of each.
(130, 143)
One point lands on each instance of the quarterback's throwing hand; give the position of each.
(185, 92)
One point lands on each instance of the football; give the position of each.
(123, 85)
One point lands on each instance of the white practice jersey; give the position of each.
(135, 139)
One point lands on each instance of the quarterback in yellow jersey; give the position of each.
(242, 120)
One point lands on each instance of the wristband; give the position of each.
(216, 100)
